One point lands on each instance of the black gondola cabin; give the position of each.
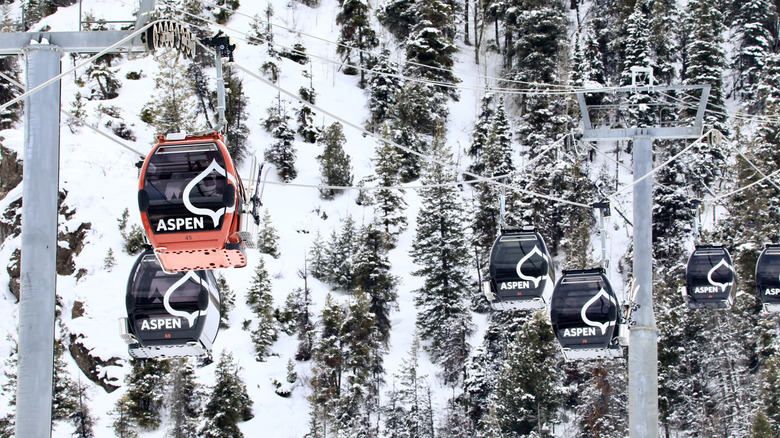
(709, 278)
(768, 277)
(585, 317)
(169, 314)
(521, 271)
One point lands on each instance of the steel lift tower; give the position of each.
(643, 351)
(42, 52)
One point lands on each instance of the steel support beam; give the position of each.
(643, 352)
(39, 244)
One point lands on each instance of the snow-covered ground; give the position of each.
(101, 180)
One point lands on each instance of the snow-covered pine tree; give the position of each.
(359, 398)
(755, 22)
(383, 85)
(328, 368)
(339, 255)
(430, 48)
(183, 400)
(334, 162)
(260, 301)
(298, 307)
(664, 25)
(389, 203)
(146, 392)
(456, 423)
(65, 395)
(528, 391)
(201, 89)
(103, 82)
(418, 113)
(373, 278)
(173, 104)
(356, 34)
(318, 258)
(282, 152)
(440, 251)
(409, 410)
(8, 91)
(123, 424)
(8, 390)
(223, 9)
(480, 134)
(83, 422)
(638, 54)
(227, 301)
(236, 130)
(705, 58)
(267, 237)
(228, 402)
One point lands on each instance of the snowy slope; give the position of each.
(101, 180)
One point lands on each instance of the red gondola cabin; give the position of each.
(190, 197)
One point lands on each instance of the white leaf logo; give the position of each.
(180, 313)
(519, 267)
(214, 215)
(722, 286)
(603, 326)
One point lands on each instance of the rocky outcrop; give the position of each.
(90, 365)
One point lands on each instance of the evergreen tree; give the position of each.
(282, 153)
(224, 9)
(456, 423)
(372, 277)
(440, 252)
(383, 85)
(429, 47)
(206, 101)
(173, 105)
(305, 114)
(228, 403)
(267, 238)
(358, 397)
(356, 34)
(236, 103)
(417, 114)
(528, 390)
(8, 91)
(146, 392)
(409, 411)
(65, 394)
(298, 308)
(104, 84)
(81, 417)
(329, 364)
(340, 253)
(389, 203)
(318, 258)
(706, 58)
(334, 162)
(227, 301)
(260, 302)
(768, 89)
(638, 54)
(183, 400)
(755, 22)
(123, 424)
(8, 390)
(110, 261)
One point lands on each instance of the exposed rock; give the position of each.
(77, 311)
(89, 364)
(10, 170)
